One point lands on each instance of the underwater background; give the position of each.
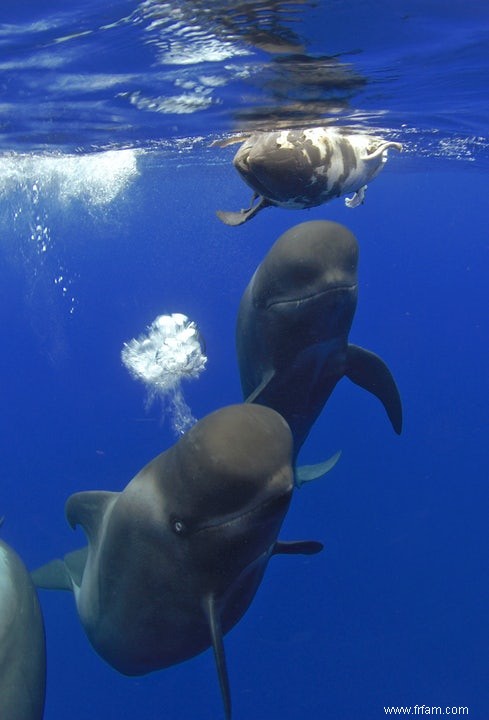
(108, 192)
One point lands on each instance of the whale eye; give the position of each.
(178, 527)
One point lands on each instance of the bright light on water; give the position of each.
(97, 178)
(35, 191)
(171, 350)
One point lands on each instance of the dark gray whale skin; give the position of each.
(293, 325)
(22, 643)
(175, 559)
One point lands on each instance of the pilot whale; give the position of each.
(293, 325)
(22, 643)
(174, 560)
(302, 168)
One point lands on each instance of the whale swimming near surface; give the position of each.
(305, 167)
(22, 643)
(293, 325)
(175, 559)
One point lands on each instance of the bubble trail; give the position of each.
(171, 350)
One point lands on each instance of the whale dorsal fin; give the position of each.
(212, 613)
(88, 510)
(370, 372)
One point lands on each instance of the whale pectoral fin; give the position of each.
(75, 563)
(88, 509)
(242, 216)
(212, 615)
(52, 576)
(229, 141)
(305, 473)
(265, 380)
(297, 547)
(381, 151)
(357, 199)
(368, 370)
(62, 574)
(233, 219)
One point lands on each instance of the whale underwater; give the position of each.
(293, 324)
(22, 642)
(305, 167)
(175, 559)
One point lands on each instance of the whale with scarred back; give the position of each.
(175, 559)
(293, 325)
(305, 167)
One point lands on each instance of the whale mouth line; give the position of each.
(312, 296)
(272, 502)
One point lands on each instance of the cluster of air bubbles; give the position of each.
(40, 235)
(170, 351)
(95, 178)
(38, 189)
(64, 283)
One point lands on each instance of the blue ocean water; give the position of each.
(108, 192)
